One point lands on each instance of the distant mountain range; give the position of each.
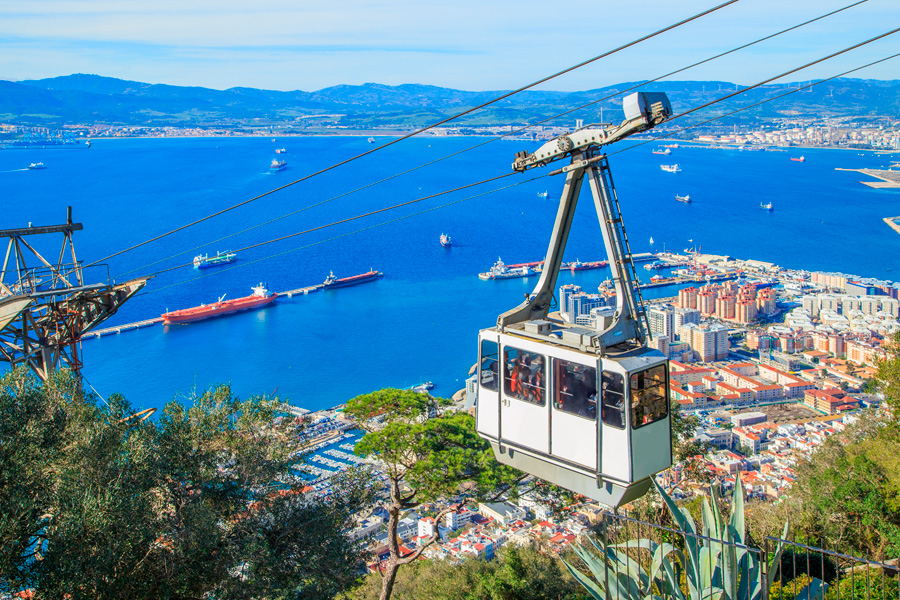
(89, 99)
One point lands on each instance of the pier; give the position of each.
(302, 291)
(889, 178)
(892, 223)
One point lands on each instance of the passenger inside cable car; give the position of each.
(523, 377)
(575, 389)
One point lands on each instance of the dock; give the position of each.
(892, 223)
(890, 179)
(302, 291)
(120, 328)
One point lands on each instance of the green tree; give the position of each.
(198, 503)
(516, 573)
(425, 457)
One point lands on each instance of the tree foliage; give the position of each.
(425, 456)
(849, 490)
(517, 573)
(197, 503)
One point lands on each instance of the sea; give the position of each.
(420, 321)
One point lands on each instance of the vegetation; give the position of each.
(95, 503)
(517, 573)
(848, 494)
(425, 457)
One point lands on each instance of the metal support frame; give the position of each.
(627, 322)
(45, 306)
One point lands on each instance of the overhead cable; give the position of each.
(426, 128)
(509, 134)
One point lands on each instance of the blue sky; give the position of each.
(466, 44)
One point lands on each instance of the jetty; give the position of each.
(96, 333)
(892, 223)
(889, 178)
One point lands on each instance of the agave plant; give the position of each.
(716, 562)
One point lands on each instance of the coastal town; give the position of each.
(769, 362)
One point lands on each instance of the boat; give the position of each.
(801, 159)
(503, 271)
(38, 165)
(277, 165)
(670, 168)
(332, 282)
(542, 194)
(685, 199)
(664, 151)
(202, 261)
(767, 207)
(446, 242)
(577, 265)
(280, 150)
(260, 297)
(423, 387)
(371, 140)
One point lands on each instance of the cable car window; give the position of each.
(612, 408)
(648, 396)
(523, 375)
(575, 389)
(489, 373)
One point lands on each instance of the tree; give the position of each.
(197, 503)
(425, 457)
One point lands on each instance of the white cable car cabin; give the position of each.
(587, 409)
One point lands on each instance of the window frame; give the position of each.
(507, 375)
(496, 358)
(635, 394)
(623, 410)
(557, 389)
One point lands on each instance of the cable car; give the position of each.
(584, 407)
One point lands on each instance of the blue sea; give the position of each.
(419, 322)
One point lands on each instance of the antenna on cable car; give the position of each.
(585, 408)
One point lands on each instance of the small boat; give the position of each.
(542, 194)
(670, 168)
(38, 165)
(446, 242)
(259, 298)
(277, 165)
(801, 159)
(371, 140)
(280, 151)
(663, 151)
(651, 240)
(332, 282)
(423, 387)
(767, 207)
(202, 261)
(685, 199)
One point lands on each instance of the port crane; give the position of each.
(586, 408)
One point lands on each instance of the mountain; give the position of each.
(86, 99)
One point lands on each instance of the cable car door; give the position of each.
(523, 407)
(573, 422)
(615, 454)
(651, 436)
(487, 407)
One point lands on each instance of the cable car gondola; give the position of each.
(584, 408)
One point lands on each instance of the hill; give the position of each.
(84, 99)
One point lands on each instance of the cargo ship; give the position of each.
(277, 165)
(664, 151)
(504, 271)
(332, 282)
(259, 298)
(670, 168)
(801, 159)
(203, 261)
(577, 265)
(446, 242)
(767, 207)
(684, 199)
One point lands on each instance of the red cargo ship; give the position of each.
(259, 298)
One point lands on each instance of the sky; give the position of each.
(464, 44)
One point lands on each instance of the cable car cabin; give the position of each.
(585, 409)
(598, 426)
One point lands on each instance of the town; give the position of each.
(769, 361)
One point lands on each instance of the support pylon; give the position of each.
(45, 307)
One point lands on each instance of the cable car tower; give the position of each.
(585, 408)
(46, 306)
